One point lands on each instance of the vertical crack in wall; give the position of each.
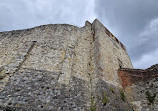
(92, 88)
(92, 71)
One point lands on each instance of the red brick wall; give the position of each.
(133, 76)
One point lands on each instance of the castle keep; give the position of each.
(60, 67)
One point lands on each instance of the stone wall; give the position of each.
(62, 67)
(141, 87)
(109, 55)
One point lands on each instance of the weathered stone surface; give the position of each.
(141, 87)
(108, 98)
(62, 67)
(30, 88)
(144, 95)
(109, 56)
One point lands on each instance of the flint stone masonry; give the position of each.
(60, 67)
(39, 90)
(144, 95)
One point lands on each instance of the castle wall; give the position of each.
(57, 53)
(62, 67)
(109, 54)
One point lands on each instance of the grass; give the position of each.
(93, 105)
(105, 99)
(112, 89)
(122, 95)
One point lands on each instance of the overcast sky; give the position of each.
(133, 22)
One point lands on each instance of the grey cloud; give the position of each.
(128, 19)
(19, 14)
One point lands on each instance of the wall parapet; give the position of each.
(114, 38)
(133, 76)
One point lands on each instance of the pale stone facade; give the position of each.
(62, 67)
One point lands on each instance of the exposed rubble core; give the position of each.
(60, 67)
(141, 87)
